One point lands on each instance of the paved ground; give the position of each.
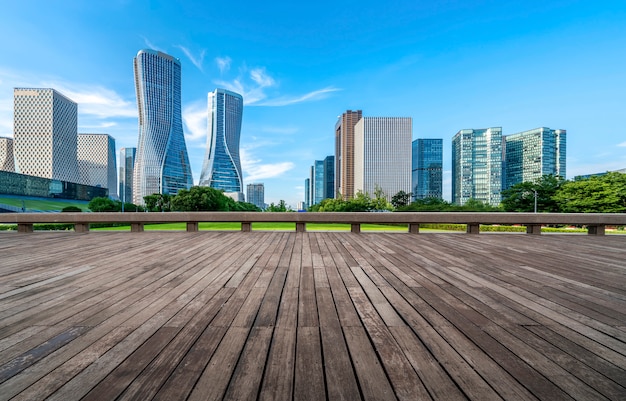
(279, 316)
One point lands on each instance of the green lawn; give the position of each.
(43, 204)
(263, 227)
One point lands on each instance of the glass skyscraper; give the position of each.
(477, 165)
(256, 195)
(162, 164)
(317, 182)
(427, 168)
(222, 167)
(329, 177)
(127, 165)
(532, 154)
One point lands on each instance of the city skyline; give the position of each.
(452, 66)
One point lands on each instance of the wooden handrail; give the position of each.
(595, 222)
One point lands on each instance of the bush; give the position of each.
(72, 209)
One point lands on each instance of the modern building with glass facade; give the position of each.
(531, 154)
(256, 195)
(16, 184)
(344, 153)
(222, 166)
(162, 163)
(307, 192)
(45, 134)
(6, 155)
(427, 168)
(329, 177)
(477, 165)
(127, 166)
(96, 161)
(317, 182)
(382, 155)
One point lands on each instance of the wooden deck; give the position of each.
(311, 316)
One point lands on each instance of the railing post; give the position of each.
(192, 226)
(596, 229)
(473, 228)
(136, 227)
(246, 226)
(355, 228)
(414, 228)
(533, 229)
(81, 227)
(24, 228)
(300, 227)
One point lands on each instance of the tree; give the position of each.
(400, 199)
(104, 204)
(281, 207)
(597, 194)
(158, 202)
(521, 197)
(198, 199)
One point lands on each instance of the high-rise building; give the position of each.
(45, 134)
(256, 195)
(317, 182)
(307, 192)
(427, 168)
(531, 154)
(329, 177)
(6, 155)
(162, 164)
(222, 167)
(477, 165)
(344, 153)
(127, 166)
(382, 155)
(96, 161)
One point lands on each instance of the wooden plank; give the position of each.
(279, 374)
(309, 371)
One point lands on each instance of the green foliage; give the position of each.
(103, 204)
(596, 194)
(440, 205)
(400, 199)
(72, 209)
(281, 207)
(521, 197)
(199, 199)
(158, 202)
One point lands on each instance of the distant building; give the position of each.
(27, 185)
(585, 176)
(531, 154)
(477, 165)
(307, 192)
(317, 182)
(256, 195)
(162, 163)
(427, 168)
(6, 155)
(127, 166)
(344, 153)
(301, 207)
(222, 166)
(96, 161)
(329, 177)
(45, 134)
(382, 155)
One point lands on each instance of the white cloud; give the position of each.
(195, 119)
(95, 100)
(308, 97)
(196, 61)
(151, 45)
(622, 145)
(255, 170)
(223, 63)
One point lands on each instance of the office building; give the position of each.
(531, 154)
(344, 153)
(127, 166)
(329, 177)
(162, 164)
(256, 195)
(222, 167)
(427, 168)
(382, 155)
(477, 165)
(317, 182)
(307, 192)
(97, 166)
(45, 134)
(6, 155)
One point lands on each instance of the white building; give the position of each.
(382, 155)
(6, 155)
(96, 161)
(45, 134)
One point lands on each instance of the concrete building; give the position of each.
(256, 195)
(45, 134)
(344, 153)
(382, 155)
(6, 154)
(97, 166)
(477, 165)
(126, 169)
(222, 166)
(531, 154)
(162, 163)
(427, 168)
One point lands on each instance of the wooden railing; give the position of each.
(595, 222)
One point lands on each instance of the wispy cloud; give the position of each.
(622, 145)
(151, 45)
(255, 169)
(195, 119)
(95, 100)
(223, 63)
(308, 97)
(197, 61)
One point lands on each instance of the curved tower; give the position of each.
(161, 164)
(222, 168)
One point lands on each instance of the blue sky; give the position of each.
(449, 65)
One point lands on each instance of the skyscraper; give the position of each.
(307, 192)
(382, 155)
(127, 166)
(477, 165)
(162, 164)
(344, 153)
(6, 155)
(222, 167)
(329, 177)
(530, 154)
(317, 182)
(96, 161)
(427, 168)
(256, 195)
(45, 134)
